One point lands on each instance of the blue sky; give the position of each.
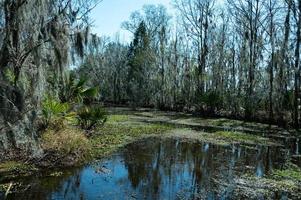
(109, 15)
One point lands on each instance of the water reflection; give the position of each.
(160, 169)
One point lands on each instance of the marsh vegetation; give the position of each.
(200, 104)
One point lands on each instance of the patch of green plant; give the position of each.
(212, 99)
(293, 172)
(55, 112)
(112, 136)
(74, 90)
(134, 130)
(226, 122)
(198, 136)
(117, 118)
(223, 138)
(90, 117)
(242, 138)
(10, 75)
(73, 106)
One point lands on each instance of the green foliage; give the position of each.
(292, 172)
(139, 60)
(76, 90)
(244, 138)
(89, 117)
(117, 118)
(212, 99)
(69, 107)
(9, 75)
(115, 135)
(55, 112)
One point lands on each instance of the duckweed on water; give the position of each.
(117, 118)
(243, 138)
(112, 136)
(222, 137)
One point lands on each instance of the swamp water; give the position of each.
(156, 168)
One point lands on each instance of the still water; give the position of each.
(156, 168)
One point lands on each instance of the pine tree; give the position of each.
(138, 61)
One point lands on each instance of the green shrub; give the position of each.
(89, 117)
(55, 112)
(212, 100)
(76, 91)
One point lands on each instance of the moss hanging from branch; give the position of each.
(87, 33)
(79, 44)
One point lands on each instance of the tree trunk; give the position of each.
(297, 68)
(272, 63)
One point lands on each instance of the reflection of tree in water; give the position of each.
(45, 188)
(144, 166)
(161, 169)
(70, 188)
(171, 167)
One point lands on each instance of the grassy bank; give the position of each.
(72, 146)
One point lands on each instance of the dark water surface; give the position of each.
(156, 168)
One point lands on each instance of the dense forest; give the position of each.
(240, 60)
(222, 73)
